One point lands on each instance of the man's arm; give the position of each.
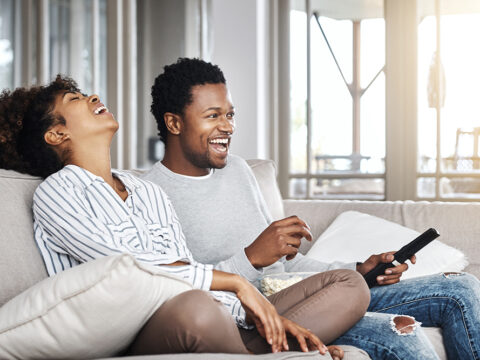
(239, 264)
(302, 263)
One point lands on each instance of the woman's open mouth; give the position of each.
(100, 110)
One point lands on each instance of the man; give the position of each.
(227, 223)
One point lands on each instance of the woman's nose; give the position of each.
(94, 98)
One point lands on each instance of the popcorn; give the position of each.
(270, 286)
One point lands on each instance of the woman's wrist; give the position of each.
(240, 283)
(228, 282)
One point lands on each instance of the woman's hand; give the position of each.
(307, 340)
(264, 315)
(260, 311)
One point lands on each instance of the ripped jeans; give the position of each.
(451, 302)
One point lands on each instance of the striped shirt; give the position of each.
(79, 217)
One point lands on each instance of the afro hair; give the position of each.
(25, 116)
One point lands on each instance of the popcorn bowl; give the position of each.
(273, 283)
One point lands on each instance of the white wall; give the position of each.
(239, 31)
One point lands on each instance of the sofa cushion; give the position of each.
(365, 235)
(20, 264)
(92, 310)
(457, 222)
(266, 175)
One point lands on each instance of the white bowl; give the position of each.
(273, 283)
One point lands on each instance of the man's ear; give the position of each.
(173, 123)
(56, 135)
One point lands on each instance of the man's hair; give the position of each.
(172, 90)
(25, 117)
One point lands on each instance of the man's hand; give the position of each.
(392, 275)
(281, 238)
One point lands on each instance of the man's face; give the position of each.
(208, 124)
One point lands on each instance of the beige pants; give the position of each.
(328, 304)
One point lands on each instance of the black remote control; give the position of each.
(402, 255)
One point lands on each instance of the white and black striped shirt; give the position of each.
(79, 217)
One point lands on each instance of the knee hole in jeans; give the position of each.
(452, 274)
(403, 324)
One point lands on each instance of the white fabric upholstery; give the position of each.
(364, 235)
(21, 265)
(92, 310)
(457, 222)
(266, 175)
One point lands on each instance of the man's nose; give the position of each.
(227, 125)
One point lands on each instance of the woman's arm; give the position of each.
(259, 310)
(263, 314)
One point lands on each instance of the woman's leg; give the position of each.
(450, 301)
(328, 304)
(192, 322)
(389, 337)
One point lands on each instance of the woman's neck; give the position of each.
(95, 160)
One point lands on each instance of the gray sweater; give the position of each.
(221, 214)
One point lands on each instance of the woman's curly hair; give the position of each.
(172, 90)
(25, 116)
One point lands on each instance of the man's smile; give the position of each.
(220, 144)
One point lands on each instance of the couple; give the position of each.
(84, 211)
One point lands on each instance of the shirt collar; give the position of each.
(168, 171)
(85, 178)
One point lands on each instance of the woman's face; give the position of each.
(86, 117)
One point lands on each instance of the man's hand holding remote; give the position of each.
(392, 275)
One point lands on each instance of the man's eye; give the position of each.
(212, 116)
(74, 98)
(231, 115)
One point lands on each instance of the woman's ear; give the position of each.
(56, 135)
(173, 123)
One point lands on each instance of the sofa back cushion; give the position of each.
(266, 175)
(20, 262)
(458, 223)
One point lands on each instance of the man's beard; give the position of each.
(202, 161)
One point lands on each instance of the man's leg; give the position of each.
(328, 304)
(192, 322)
(450, 301)
(389, 337)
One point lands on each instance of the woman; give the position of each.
(84, 210)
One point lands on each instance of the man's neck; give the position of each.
(176, 162)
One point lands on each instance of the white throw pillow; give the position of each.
(92, 310)
(354, 236)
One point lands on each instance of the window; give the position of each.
(112, 48)
(337, 104)
(77, 43)
(448, 165)
(7, 12)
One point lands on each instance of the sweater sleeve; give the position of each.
(301, 263)
(239, 264)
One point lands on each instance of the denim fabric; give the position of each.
(451, 302)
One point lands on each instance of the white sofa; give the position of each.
(21, 265)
